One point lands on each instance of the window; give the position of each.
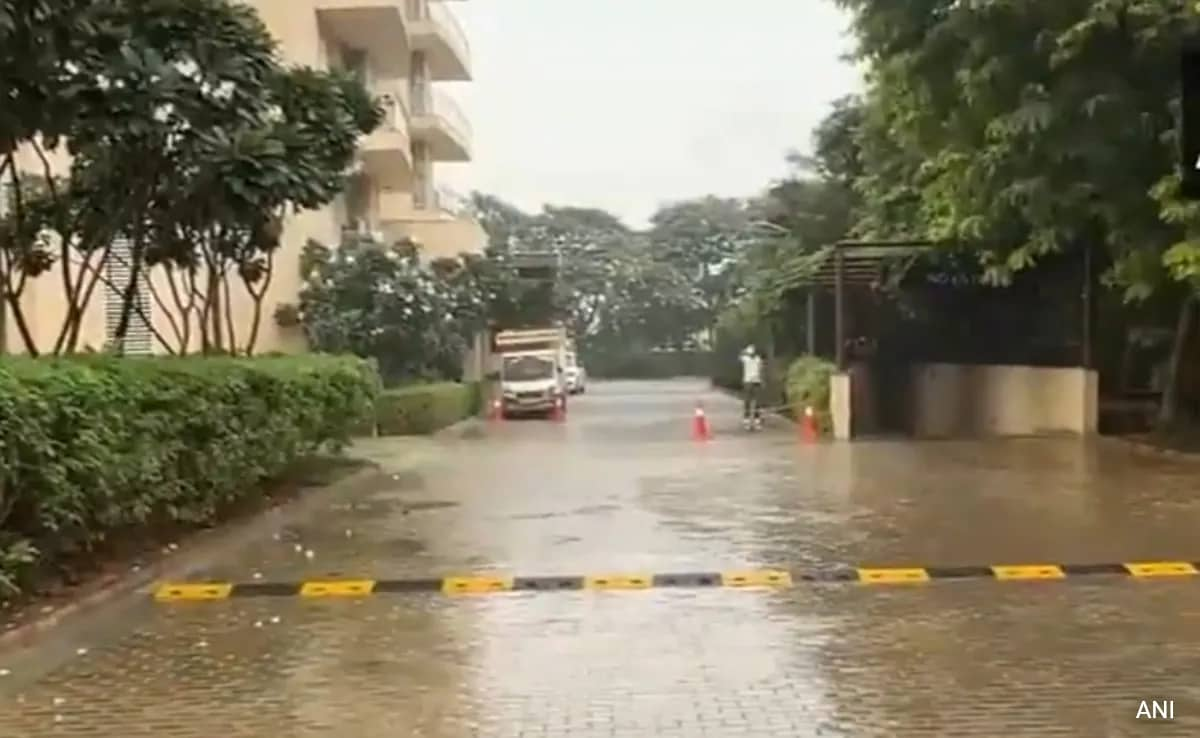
(138, 339)
(527, 368)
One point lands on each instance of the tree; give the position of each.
(43, 44)
(648, 304)
(1027, 129)
(224, 219)
(611, 288)
(138, 91)
(378, 301)
(704, 239)
(586, 240)
(512, 302)
(187, 141)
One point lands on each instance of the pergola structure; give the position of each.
(865, 263)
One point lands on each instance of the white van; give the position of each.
(575, 374)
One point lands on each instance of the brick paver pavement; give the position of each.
(620, 487)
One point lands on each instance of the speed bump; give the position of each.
(1028, 571)
(193, 592)
(761, 578)
(619, 581)
(547, 584)
(751, 579)
(476, 584)
(910, 575)
(338, 588)
(1150, 569)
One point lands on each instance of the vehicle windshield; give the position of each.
(528, 368)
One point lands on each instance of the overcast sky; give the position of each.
(627, 104)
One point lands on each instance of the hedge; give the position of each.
(96, 445)
(647, 364)
(425, 408)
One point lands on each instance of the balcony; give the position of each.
(435, 31)
(438, 235)
(440, 123)
(379, 26)
(444, 228)
(387, 152)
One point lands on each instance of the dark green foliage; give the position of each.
(186, 135)
(379, 301)
(627, 364)
(425, 408)
(93, 445)
(808, 386)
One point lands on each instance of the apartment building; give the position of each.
(403, 50)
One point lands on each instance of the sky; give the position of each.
(626, 105)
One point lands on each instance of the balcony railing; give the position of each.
(451, 201)
(445, 19)
(447, 108)
(436, 13)
(395, 109)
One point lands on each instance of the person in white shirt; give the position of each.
(752, 370)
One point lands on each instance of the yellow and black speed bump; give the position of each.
(404, 586)
(547, 584)
(755, 579)
(690, 581)
(835, 574)
(266, 589)
(958, 572)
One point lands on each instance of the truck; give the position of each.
(532, 369)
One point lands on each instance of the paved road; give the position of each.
(621, 487)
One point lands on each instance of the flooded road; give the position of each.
(621, 487)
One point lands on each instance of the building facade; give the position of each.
(403, 50)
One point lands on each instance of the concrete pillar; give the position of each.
(839, 317)
(420, 85)
(840, 405)
(475, 360)
(1091, 402)
(423, 188)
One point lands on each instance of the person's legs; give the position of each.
(754, 395)
(747, 393)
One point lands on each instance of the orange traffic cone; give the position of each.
(700, 431)
(808, 426)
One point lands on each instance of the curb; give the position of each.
(1150, 449)
(462, 429)
(196, 552)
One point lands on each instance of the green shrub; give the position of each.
(808, 386)
(425, 408)
(647, 364)
(94, 444)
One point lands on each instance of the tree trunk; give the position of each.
(18, 317)
(214, 310)
(230, 334)
(1168, 411)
